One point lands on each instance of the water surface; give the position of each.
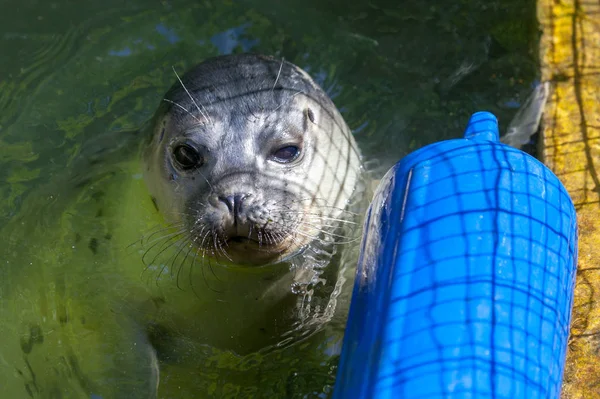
(78, 79)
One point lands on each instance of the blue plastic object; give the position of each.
(465, 281)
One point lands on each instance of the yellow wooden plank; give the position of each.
(570, 57)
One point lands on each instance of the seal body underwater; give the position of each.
(251, 175)
(253, 167)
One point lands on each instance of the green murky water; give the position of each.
(79, 78)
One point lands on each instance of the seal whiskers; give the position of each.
(202, 111)
(278, 73)
(183, 108)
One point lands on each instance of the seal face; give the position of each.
(250, 160)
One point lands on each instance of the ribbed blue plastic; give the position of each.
(465, 282)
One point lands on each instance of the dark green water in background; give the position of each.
(403, 73)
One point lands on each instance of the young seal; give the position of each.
(251, 158)
(250, 174)
(253, 168)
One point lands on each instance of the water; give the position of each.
(78, 80)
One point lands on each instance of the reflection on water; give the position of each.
(78, 82)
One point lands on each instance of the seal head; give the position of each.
(250, 160)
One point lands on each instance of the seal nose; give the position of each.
(234, 203)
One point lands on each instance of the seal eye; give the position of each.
(187, 156)
(286, 154)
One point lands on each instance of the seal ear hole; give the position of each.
(187, 157)
(310, 115)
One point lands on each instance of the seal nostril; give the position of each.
(234, 203)
(237, 201)
(229, 201)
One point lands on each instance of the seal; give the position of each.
(251, 175)
(251, 159)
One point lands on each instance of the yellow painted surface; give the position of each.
(570, 58)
